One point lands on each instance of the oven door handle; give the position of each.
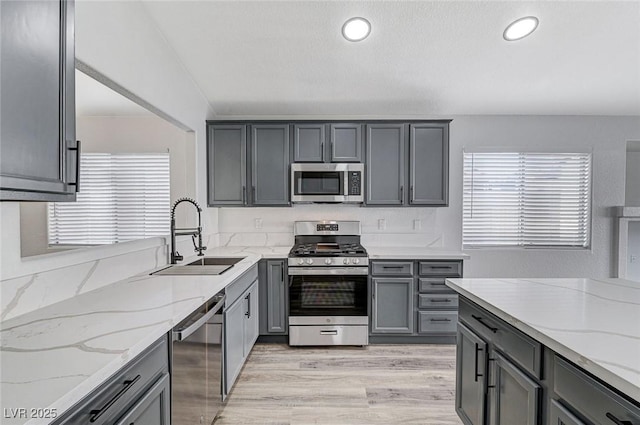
(301, 271)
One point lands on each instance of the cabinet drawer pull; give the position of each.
(616, 420)
(479, 319)
(440, 267)
(438, 284)
(392, 267)
(446, 300)
(331, 332)
(95, 414)
(440, 320)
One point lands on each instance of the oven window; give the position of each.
(318, 183)
(328, 295)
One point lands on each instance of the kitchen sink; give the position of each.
(204, 266)
(216, 261)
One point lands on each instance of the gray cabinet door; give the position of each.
(234, 318)
(152, 408)
(346, 143)
(251, 322)
(308, 142)
(385, 164)
(561, 416)
(270, 158)
(471, 366)
(37, 136)
(392, 309)
(273, 295)
(227, 166)
(514, 398)
(428, 164)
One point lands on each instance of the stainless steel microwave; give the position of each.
(327, 183)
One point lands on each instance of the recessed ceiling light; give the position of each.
(520, 28)
(356, 29)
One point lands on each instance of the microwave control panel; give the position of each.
(355, 182)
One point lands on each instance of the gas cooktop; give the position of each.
(328, 249)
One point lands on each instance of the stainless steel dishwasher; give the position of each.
(196, 374)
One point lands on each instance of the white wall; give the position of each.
(442, 227)
(119, 40)
(632, 185)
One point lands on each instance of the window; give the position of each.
(122, 197)
(527, 200)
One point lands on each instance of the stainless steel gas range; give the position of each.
(328, 271)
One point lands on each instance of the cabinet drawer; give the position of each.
(241, 284)
(591, 398)
(441, 268)
(392, 268)
(114, 397)
(561, 416)
(519, 347)
(433, 284)
(153, 406)
(439, 322)
(437, 301)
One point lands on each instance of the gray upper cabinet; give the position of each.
(428, 164)
(392, 306)
(270, 159)
(273, 297)
(37, 136)
(227, 166)
(346, 142)
(309, 142)
(385, 160)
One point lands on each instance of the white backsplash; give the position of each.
(380, 226)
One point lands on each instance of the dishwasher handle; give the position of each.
(182, 333)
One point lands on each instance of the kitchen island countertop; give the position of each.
(594, 323)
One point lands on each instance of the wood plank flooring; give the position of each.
(377, 384)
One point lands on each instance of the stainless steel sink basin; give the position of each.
(205, 266)
(216, 261)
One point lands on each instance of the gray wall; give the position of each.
(632, 185)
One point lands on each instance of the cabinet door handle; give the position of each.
(479, 319)
(322, 150)
(253, 193)
(411, 194)
(476, 368)
(248, 298)
(95, 414)
(77, 149)
(282, 273)
(244, 194)
(617, 421)
(401, 194)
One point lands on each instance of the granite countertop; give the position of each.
(55, 356)
(415, 253)
(595, 323)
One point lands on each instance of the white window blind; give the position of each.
(122, 197)
(527, 200)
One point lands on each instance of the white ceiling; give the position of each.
(423, 58)
(95, 99)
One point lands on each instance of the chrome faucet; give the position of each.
(193, 232)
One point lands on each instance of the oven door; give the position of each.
(328, 291)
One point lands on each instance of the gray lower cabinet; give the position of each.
(273, 297)
(227, 165)
(385, 161)
(471, 367)
(429, 164)
(514, 397)
(37, 136)
(240, 328)
(245, 173)
(392, 305)
(138, 394)
(559, 415)
(270, 159)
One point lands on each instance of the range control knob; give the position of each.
(301, 261)
(309, 261)
(345, 261)
(355, 261)
(327, 260)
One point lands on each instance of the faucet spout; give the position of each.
(175, 255)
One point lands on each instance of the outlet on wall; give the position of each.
(417, 224)
(257, 223)
(382, 224)
(633, 258)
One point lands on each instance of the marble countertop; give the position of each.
(55, 356)
(416, 253)
(593, 322)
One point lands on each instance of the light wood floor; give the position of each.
(378, 384)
